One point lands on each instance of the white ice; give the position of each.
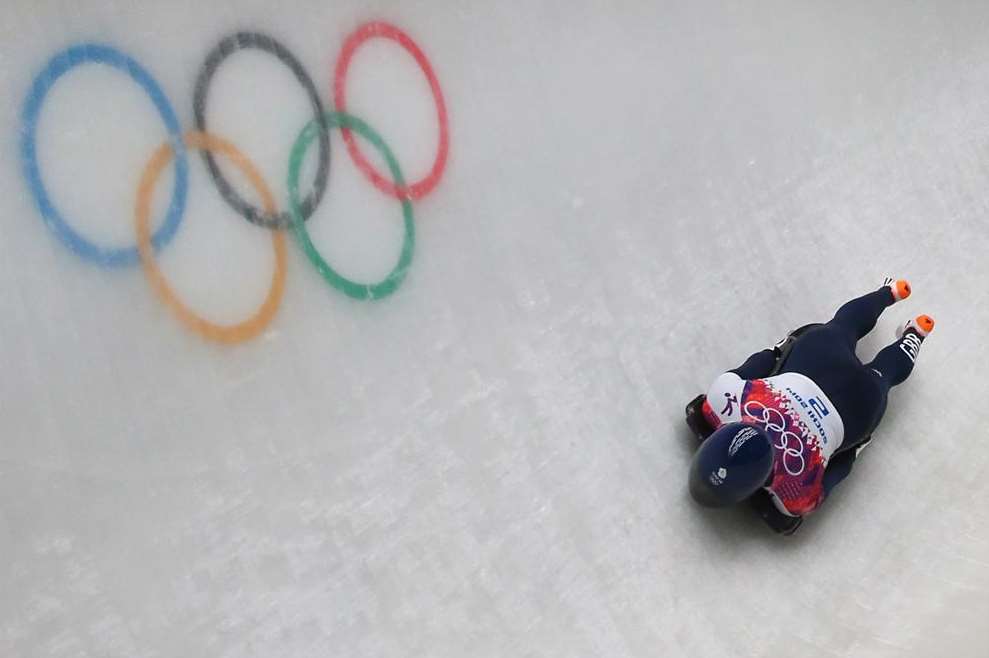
(491, 461)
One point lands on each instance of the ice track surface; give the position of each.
(488, 458)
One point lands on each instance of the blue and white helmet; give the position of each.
(731, 465)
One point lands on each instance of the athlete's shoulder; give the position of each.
(725, 395)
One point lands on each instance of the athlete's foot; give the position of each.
(922, 326)
(900, 289)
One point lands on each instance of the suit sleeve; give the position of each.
(757, 366)
(775, 519)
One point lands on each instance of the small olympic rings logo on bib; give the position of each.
(784, 440)
(300, 203)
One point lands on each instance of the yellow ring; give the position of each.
(255, 324)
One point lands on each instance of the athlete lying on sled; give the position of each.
(784, 428)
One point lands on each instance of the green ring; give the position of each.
(394, 279)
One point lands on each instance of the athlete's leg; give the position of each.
(894, 363)
(865, 400)
(858, 317)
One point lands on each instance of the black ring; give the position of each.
(226, 47)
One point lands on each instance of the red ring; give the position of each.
(363, 33)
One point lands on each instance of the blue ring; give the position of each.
(60, 64)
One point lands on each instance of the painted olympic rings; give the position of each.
(362, 34)
(58, 66)
(224, 49)
(356, 290)
(299, 208)
(223, 333)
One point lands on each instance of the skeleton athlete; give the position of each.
(783, 434)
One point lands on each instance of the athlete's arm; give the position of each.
(840, 466)
(757, 366)
(775, 519)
